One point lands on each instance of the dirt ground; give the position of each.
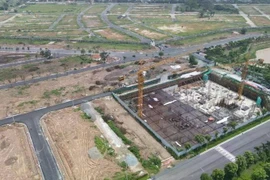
(27, 98)
(264, 54)
(71, 137)
(109, 34)
(11, 57)
(16, 156)
(148, 145)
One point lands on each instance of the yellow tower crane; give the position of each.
(243, 76)
(140, 78)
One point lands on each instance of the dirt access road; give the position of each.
(70, 137)
(17, 161)
(134, 131)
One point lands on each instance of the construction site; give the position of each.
(200, 102)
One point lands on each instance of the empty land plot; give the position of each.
(189, 28)
(152, 20)
(68, 22)
(249, 10)
(260, 20)
(71, 137)
(119, 9)
(93, 21)
(119, 20)
(53, 8)
(5, 17)
(145, 32)
(27, 98)
(113, 35)
(264, 8)
(16, 154)
(147, 144)
(96, 9)
(26, 22)
(151, 9)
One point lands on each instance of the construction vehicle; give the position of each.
(121, 78)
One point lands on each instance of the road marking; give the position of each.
(225, 153)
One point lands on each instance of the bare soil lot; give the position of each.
(134, 131)
(111, 35)
(27, 98)
(16, 155)
(264, 54)
(70, 137)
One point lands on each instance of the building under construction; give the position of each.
(191, 104)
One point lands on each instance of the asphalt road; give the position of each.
(192, 169)
(168, 52)
(43, 151)
(105, 19)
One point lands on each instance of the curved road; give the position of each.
(104, 18)
(168, 52)
(43, 151)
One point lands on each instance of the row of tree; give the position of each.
(261, 157)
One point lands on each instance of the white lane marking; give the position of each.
(225, 153)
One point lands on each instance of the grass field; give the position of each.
(96, 9)
(260, 21)
(53, 8)
(119, 21)
(249, 10)
(264, 8)
(119, 9)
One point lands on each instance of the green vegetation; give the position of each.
(250, 166)
(231, 53)
(33, 102)
(52, 8)
(56, 92)
(103, 146)
(85, 116)
(82, 59)
(118, 132)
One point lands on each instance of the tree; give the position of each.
(266, 167)
(230, 170)
(207, 137)
(259, 174)
(243, 31)
(218, 174)
(205, 176)
(249, 158)
(82, 51)
(192, 60)
(199, 138)
(232, 124)
(192, 4)
(242, 164)
(104, 55)
(216, 134)
(160, 53)
(187, 146)
(225, 130)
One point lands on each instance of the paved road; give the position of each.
(45, 157)
(245, 16)
(192, 169)
(168, 52)
(104, 18)
(80, 23)
(52, 26)
(17, 63)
